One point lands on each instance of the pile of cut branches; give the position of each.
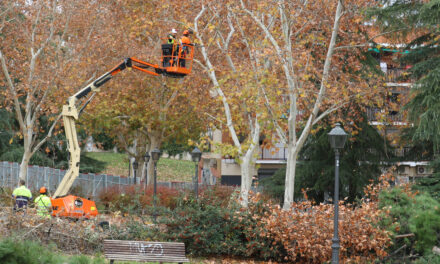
(73, 236)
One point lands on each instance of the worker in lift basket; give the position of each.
(22, 196)
(172, 36)
(184, 42)
(43, 203)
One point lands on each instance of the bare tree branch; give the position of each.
(326, 70)
(13, 91)
(211, 74)
(49, 134)
(368, 42)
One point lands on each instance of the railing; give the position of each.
(397, 75)
(401, 152)
(393, 116)
(275, 153)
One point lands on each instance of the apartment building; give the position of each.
(398, 85)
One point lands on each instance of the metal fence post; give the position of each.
(27, 176)
(105, 182)
(2, 173)
(11, 175)
(45, 178)
(93, 186)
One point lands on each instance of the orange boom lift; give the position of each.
(176, 62)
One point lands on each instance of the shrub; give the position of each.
(274, 186)
(16, 155)
(265, 231)
(81, 259)
(428, 259)
(209, 229)
(410, 212)
(217, 195)
(134, 199)
(397, 203)
(26, 252)
(425, 222)
(30, 252)
(305, 232)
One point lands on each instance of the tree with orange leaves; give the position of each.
(142, 111)
(42, 47)
(289, 57)
(305, 43)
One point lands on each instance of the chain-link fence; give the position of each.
(89, 185)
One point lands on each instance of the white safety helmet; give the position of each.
(173, 31)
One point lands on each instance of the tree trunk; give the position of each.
(290, 177)
(208, 177)
(132, 149)
(245, 176)
(27, 154)
(24, 164)
(247, 166)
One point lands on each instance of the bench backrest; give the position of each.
(145, 251)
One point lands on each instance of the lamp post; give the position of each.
(146, 159)
(155, 155)
(135, 167)
(337, 138)
(196, 155)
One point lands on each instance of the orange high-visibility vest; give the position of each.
(185, 40)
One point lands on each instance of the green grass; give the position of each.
(116, 163)
(167, 169)
(175, 170)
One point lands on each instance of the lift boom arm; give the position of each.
(70, 113)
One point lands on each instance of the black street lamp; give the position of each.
(155, 155)
(337, 138)
(146, 159)
(135, 167)
(196, 156)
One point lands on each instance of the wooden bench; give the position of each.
(144, 251)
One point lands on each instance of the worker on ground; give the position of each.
(184, 42)
(43, 203)
(22, 196)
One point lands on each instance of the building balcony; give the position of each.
(391, 116)
(278, 152)
(397, 75)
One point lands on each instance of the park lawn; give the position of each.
(167, 169)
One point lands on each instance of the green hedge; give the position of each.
(410, 213)
(16, 251)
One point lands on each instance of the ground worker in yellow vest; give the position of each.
(22, 196)
(43, 203)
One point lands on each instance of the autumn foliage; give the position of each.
(131, 199)
(265, 231)
(216, 225)
(306, 230)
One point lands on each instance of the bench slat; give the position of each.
(130, 257)
(145, 251)
(127, 241)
